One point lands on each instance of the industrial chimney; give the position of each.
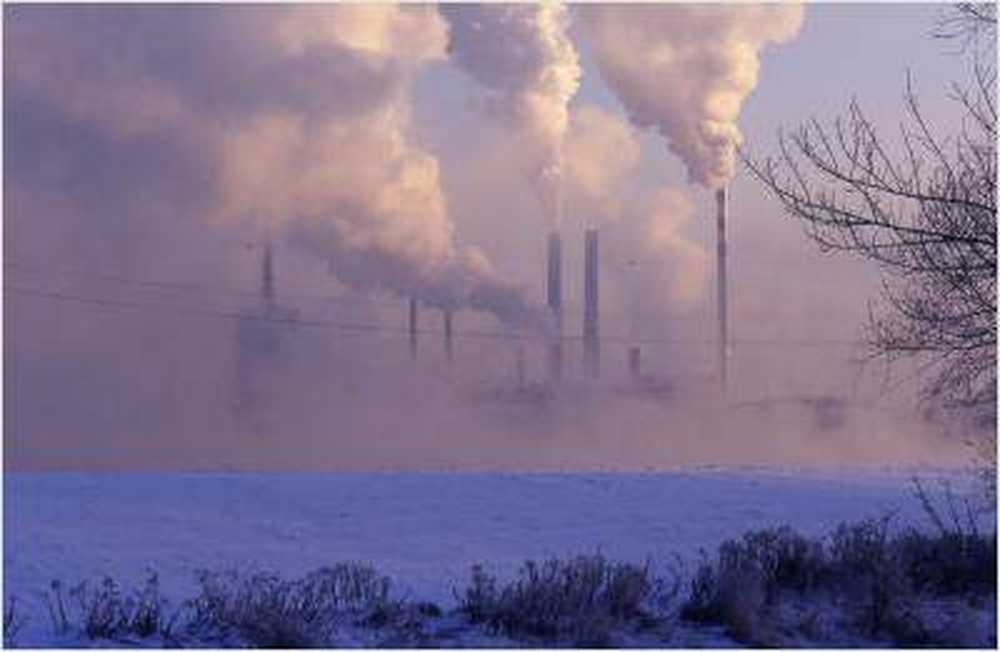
(413, 328)
(591, 345)
(635, 322)
(554, 298)
(267, 278)
(448, 353)
(721, 200)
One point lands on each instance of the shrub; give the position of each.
(12, 622)
(949, 564)
(57, 609)
(749, 574)
(107, 614)
(267, 611)
(878, 582)
(578, 600)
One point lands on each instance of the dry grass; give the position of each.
(264, 610)
(578, 601)
(12, 622)
(772, 587)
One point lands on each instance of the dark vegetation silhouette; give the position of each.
(872, 583)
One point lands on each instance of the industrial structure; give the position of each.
(634, 294)
(258, 336)
(554, 300)
(449, 353)
(722, 208)
(412, 328)
(257, 351)
(591, 328)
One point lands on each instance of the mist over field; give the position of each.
(394, 152)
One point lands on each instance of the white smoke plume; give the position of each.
(351, 186)
(686, 69)
(300, 117)
(602, 158)
(686, 263)
(521, 54)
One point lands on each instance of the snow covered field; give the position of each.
(423, 529)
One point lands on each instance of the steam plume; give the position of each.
(298, 119)
(353, 188)
(524, 58)
(669, 211)
(602, 159)
(686, 70)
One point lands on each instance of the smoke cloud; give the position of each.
(669, 211)
(686, 69)
(602, 159)
(302, 116)
(521, 54)
(152, 143)
(354, 189)
(602, 163)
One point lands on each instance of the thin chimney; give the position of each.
(447, 334)
(634, 290)
(520, 366)
(633, 363)
(554, 297)
(591, 331)
(721, 199)
(413, 328)
(267, 278)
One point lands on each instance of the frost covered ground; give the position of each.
(425, 530)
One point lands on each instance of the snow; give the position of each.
(425, 530)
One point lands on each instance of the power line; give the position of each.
(369, 301)
(198, 287)
(294, 321)
(114, 303)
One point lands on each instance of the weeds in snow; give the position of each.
(12, 622)
(578, 600)
(56, 607)
(109, 614)
(265, 610)
(876, 584)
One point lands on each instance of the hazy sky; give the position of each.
(387, 151)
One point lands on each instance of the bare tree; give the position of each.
(923, 208)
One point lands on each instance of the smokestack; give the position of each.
(520, 366)
(267, 278)
(634, 292)
(447, 334)
(413, 328)
(554, 297)
(633, 363)
(591, 345)
(721, 199)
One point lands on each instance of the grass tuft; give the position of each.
(264, 610)
(579, 600)
(769, 587)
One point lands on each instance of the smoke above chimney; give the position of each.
(523, 57)
(686, 69)
(350, 185)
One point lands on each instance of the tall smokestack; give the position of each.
(634, 291)
(721, 200)
(447, 335)
(413, 328)
(591, 345)
(267, 278)
(554, 297)
(520, 366)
